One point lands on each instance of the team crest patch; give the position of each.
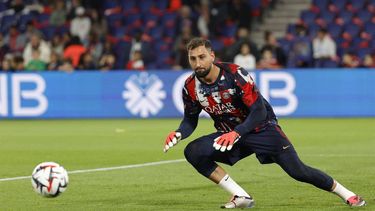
(226, 95)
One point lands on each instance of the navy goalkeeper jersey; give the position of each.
(233, 102)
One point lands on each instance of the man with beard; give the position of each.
(245, 124)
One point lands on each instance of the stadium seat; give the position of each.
(334, 30)
(256, 7)
(132, 19)
(330, 64)
(284, 44)
(370, 28)
(364, 15)
(161, 4)
(356, 5)
(362, 52)
(308, 17)
(3, 6)
(291, 29)
(6, 22)
(109, 4)
(128, 5)
(345, 16)
(114, 20)
(229, 30)
(327, 16)
(322, 5)
(156, 33)
(313, 30)
(24, 19)
(352, 29)
(48, 32)
(145, 5)
(338, 5)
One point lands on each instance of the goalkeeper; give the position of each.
(245, 123)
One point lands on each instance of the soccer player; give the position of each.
(245, 124)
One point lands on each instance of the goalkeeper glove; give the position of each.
(172, 139)
(226, 141)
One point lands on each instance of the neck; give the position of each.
(212, 76)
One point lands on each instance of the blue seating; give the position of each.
(357, 5)
(308, 17)
(346, 16)
(352, 29)
(364, 15)
(334, 30)
(321, 4)
(339, 4)
(327, 16)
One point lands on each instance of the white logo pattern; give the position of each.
(144, 94)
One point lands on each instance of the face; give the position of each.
(201, 60)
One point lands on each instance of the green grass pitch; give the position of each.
(344, 148)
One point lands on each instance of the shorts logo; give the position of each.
(144, 94)
(286, 147)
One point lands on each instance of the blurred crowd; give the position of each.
(40, 35)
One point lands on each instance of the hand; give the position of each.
(226, 141)
(172, 139)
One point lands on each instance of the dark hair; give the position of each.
(196, 42)
(323, 30)
(267, 35)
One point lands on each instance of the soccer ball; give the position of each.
(49, 179)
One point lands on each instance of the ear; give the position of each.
(212, 54)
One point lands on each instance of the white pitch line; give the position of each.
(104, 169)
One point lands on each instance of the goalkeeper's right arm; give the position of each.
(187, 126)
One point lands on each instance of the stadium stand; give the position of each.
(157, 29)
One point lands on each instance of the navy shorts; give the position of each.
(266, 145)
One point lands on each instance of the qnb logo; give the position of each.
(144, 94)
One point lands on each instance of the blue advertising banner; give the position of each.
(157, 94)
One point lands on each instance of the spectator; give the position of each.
(242, 36)
(66, 66)
(36, 63)
(245, 59)
(239, 12)
(98, 24)
(350, 60)
(204, 19)
(74, 50)
(4, 49)
(18, 6)
(80, 25)
(72, 6)
(136, 63)
(300, 54)
(54, 62)
(324, 48)
(18, 63)
(218, 17)
(95, 47)
(86, 62)
(268, 61)
(180, 52)
(186, 19)
(139, 45)
(57, 45)
(36, 43)
(368, 61)
(30, 31)
(15, 40)
(107, 62)
(277, 51)
(58, 15)
(6, 64)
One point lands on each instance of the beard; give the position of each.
(202, 73)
